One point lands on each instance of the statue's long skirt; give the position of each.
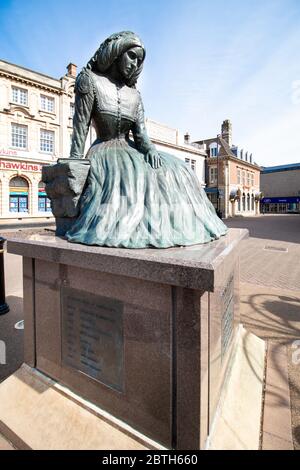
(129, 204)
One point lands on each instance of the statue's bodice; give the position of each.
(115, 108)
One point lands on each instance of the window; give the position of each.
(19, 96)
(252, 202)
(252, 179)
(191, 163)
(47, 104)
(19, 136)
(213, 175)
(244, 202)
(248, 202)
(18, 195)
(72, 110)
(47, 141)
(248, 179)
(244, 178)
(213, 150)
(239, 179)
(44, 202)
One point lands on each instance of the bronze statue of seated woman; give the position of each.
(132, 195)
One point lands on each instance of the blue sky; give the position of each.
(206, 60)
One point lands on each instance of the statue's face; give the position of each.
(130, 61)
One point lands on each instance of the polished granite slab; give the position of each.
(191, 267)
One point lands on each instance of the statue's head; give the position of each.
(123, 50)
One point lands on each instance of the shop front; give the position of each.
(23, 193)
(280, 205)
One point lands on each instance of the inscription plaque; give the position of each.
(228, 315)
(92, 336)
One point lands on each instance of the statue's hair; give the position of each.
(111, 49)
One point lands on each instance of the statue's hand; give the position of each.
(153, 158)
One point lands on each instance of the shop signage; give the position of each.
(280, 200)
(22, 166)
(8, 152)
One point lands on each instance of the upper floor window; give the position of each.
(19, 96)
(191, 163)
(47, 141)
(19, 136)
(47, 103)
(213, 174)
(72, 110)
(248, 179)
(252, 179)
(239, 178)
(213, 150)
(244, 178)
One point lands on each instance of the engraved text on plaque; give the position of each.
(92, 336)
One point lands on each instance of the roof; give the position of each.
(278, 168)
(28, 70)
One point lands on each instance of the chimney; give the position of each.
(187, 138)
(242, 154)
(251, 158)
(226, 132)
(72, 70)
(246, 156)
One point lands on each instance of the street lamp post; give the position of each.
(4, 308)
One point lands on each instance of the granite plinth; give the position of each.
(192, 267)
(147, 335)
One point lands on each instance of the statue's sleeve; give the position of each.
(84, 101)
(139, 131)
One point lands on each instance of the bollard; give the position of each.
(4, 308)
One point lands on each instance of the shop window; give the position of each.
(252, 202)
(44, 201)
(18, 195)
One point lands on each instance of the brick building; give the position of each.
(232, 178)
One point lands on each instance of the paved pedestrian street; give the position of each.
(270, 303)
(270, 308)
